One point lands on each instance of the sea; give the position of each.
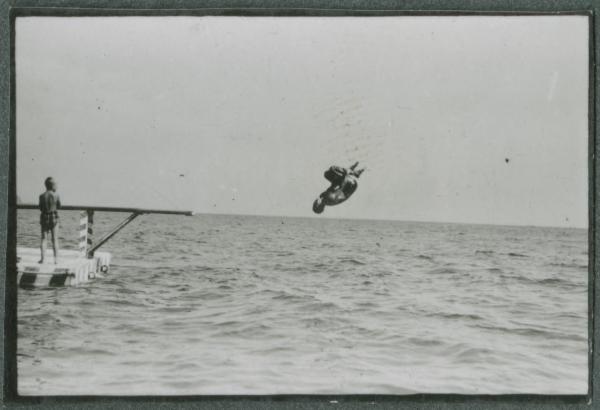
(251, 305)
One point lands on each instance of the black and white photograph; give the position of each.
(302, 205)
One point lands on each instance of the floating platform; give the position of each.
(72, 269)
(75, 266)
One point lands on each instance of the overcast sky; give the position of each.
(457, 119)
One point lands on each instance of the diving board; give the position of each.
(140, 211)
(76, 267)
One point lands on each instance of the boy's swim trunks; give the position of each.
(48, 220)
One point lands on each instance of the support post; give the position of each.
(83, 232)
(90, 232)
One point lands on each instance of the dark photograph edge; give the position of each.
(12, 10)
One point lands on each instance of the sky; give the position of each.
(474, 119)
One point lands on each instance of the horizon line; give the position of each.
(208, 213)
(395, 220)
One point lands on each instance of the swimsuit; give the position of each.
(48, 220)
(335, 174)
(48, 204)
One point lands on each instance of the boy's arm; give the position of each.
(40, 203)
(58, 202)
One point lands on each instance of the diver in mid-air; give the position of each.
(343, 184)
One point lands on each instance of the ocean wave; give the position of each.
(352, 261)
(424, 342)
(542, 281)
(443, 271)
(273, 350)
(517, 255)
(288, 297)
(568, 265)
(209, 295)
(202, 268)
(122, 302)
(531, 332)
(93, 352)
(320, 322)
(554, 281)
(367, 304)
(454, 316)
(474, 354)
(235, 329)
(319, 306)
(228, 323)
(484, 252)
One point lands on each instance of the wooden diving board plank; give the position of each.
(112, 209)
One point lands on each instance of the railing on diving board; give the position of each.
(86, 230)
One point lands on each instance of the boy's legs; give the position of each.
(54, 237)
(43, 245)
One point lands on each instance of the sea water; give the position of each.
(217, 304)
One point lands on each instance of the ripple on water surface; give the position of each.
(248, 305)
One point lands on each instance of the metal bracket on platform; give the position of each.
(105, 238)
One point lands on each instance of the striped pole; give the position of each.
(90, 232)
(83, 231)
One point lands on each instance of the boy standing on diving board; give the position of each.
(49, 203)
